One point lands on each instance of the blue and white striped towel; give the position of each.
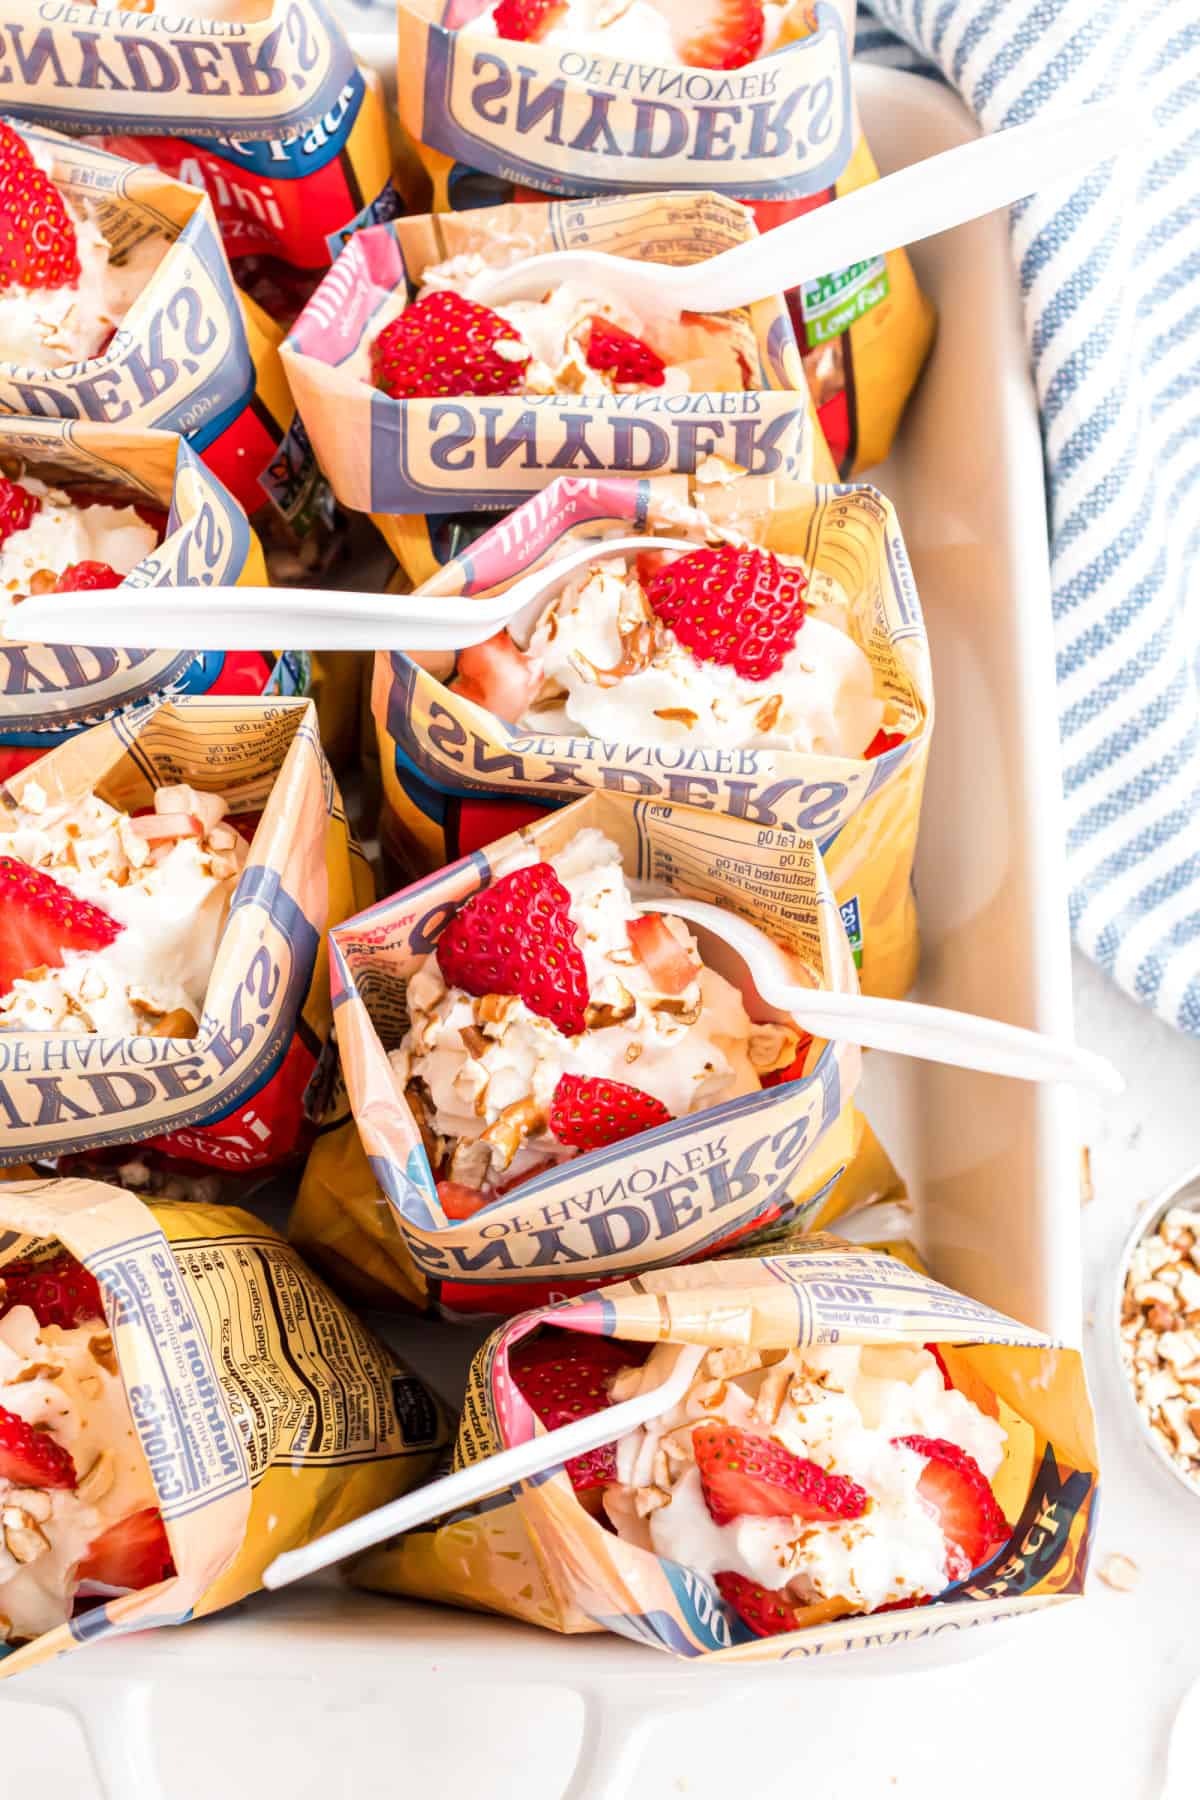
(1110, 280)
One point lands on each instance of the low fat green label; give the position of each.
(833, 303)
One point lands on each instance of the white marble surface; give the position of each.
(1078, 1701)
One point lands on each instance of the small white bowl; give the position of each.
(1184, 1193)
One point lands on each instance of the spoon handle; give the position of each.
(937, 1034)
(918, 202)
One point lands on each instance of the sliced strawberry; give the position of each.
(768, 1614)
(957, 1491)
(566, 1376)
(647, 563)
(715, 34)
(85, 577)
(661, 954)
(795, 1068)
(37, 239)
(739, 607)
(459, 1201)
(905, 1605)
(882, 742)
(497, 675)
(61, 1292)
(518, 937)
(447, 344)
(133, 1553)
(526, 20)
(32, 1458)
(940, 1360)
(616, 352)
(744, 1476)
(43, 920)
(590, 1111)
(17, 504)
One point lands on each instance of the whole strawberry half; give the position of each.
(767, 1614)
(588, 1111)
(32, 1458)
(565, 1376)
(715, 34)
(616, 352)
(446, 344)
(84, 577)
(42, 920)
(956, 1490)
(739, 607)
(37, 239)
(133, 1553)
(61, 1292)
(518, 937)
(744, 1476)
(17, 508)
(525, 20)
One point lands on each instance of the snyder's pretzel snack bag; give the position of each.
(261, 104)
(137, 323)
(182, 1400)
(106, 505)
(616, 100)
(168, 878)
(862, 1458)
(608, 1101)
(833, 742)
(484, 438)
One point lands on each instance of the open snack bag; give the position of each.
(417, 401)
(855, 1456)
(180, 1400)
(623, 681)
(94, 506)
(258, 102)
(553, 1089)
(167, 880)
(132, 318)
(516, 99)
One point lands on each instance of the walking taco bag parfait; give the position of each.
(167, 880)
(552, 1091)
(418, 400)
(95, 506)
(863, 1458)
(180, 1400)
(131, 318)
(599, 691)
(519, 98)
(259, 103)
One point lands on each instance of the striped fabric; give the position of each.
(1110, 279)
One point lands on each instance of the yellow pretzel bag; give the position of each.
(262, 106)
(236, 1095)
(534, 1553)
(494, 120)
(49, 692)
(672, 1194)
(265, 1412)
(399, 458)
(455, 776)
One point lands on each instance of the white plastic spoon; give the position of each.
(488, 1476)
(932, 1033)
(246, 618)
(915, 203)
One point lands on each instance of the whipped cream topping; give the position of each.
(42, 328)
(170, 895)
(703, 352)
(840, 1407)
(61, 533)
(632, 28)
(67, 1383)
(482, 1075)
(611, 668)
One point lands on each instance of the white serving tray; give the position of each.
(317, 1692)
